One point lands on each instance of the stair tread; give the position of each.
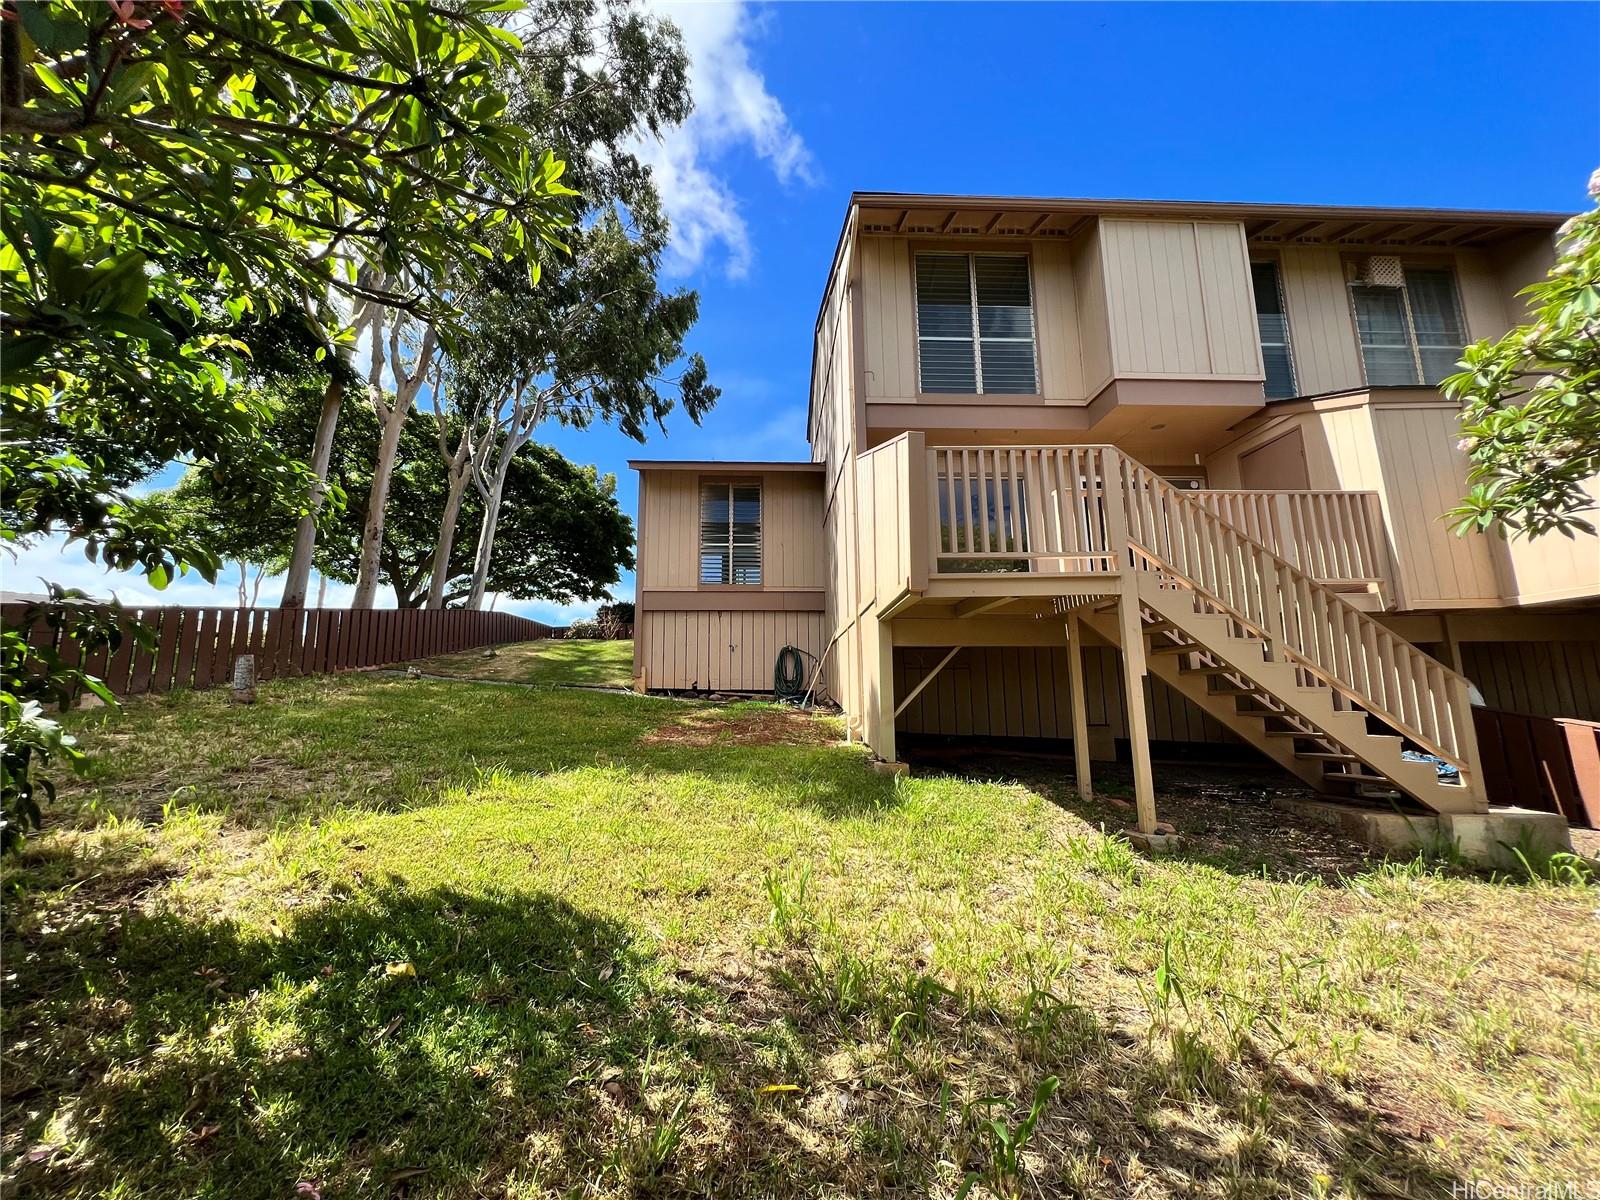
(1327, 755)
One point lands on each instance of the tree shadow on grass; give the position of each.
(404, 1042)
(1224, 815)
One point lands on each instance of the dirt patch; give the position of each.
(772, 727)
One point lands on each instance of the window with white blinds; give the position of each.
(975, 324)
(1411, 334)
(1272, 326)
(730, 533)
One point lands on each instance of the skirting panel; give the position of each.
(1023, 692)
(722, 651)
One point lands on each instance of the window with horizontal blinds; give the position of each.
(1272, 327)
(1410, 334)
(975, 324)
(1436, 318)
(1386, 350)
(730, 533)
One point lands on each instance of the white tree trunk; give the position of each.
(486, 531)
(393, 419)
(305, 534)
(444, 545)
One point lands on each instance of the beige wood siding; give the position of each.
(669, 530)
(1424, 475)
(1094, 320)
(1482, 305)
(792, 550)
(889, 317)
(1552, 567)
(1544, 679)
(723, 651)
(1055, 311)
(1321, 334)
(1023, 692)
(1179, 299)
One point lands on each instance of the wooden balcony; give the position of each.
(949, 520)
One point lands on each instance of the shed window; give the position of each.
(1272, 325)
(730, 533)
(975, 324)
(1410, 334)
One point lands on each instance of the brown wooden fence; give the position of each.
(197, 647)
(1547, 763)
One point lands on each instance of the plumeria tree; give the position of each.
(1530, 402)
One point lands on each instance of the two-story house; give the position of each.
(1116, 473)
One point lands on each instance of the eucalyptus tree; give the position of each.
(171, 168)
(599, 340)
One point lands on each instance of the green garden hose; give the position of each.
(789, 675)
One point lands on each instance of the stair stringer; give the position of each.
(1193, 688)
(1347, 729)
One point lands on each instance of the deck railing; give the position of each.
(1270, 564)
(1334, 537)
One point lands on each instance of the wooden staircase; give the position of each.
(1308, 728)
(1290, 666)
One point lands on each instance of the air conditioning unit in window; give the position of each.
(1382, 270)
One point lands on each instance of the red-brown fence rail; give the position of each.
(1548, 763)
(197, 647)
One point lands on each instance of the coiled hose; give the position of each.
(789, 675)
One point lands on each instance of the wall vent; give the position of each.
(1382, 270)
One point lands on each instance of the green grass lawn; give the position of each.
(595, 664)
(385, 937)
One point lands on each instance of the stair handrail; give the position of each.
(1278, 591)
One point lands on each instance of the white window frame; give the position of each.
(977, 341)
(726, 546)
(1405, 308)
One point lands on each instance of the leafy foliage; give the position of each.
(173, 168)
(49, 672)
(1531, 401)
(562, 535)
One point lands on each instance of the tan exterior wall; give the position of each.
(721, 650)
(726, 638)
(1023, 692)
(1403, 444)
(1322, 336)
(1180, 301)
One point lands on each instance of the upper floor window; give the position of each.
(730, 533)
(1272, 325)
(975, 324)
(1409, 322)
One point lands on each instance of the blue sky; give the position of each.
(799, 104)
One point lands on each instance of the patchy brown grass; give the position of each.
(648, 948)
(741, 725)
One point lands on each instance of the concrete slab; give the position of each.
(890, 768)
(1494, 838)
(1481, 839)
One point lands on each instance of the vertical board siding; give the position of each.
(793, 553)
(889, 319)
(1553, 567)
(1424, 476)
(197, 647)
(1056, 323)
(1008, 691)
(725, 651)
(1321, 333)
(1179, 299)
(669, 507)
(1540, 679)
(1089, 285)
(1225, 282)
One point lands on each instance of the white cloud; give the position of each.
(732, 109)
